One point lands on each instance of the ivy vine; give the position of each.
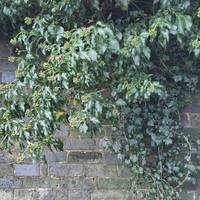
(127, 63)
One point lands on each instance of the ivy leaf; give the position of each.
(120, 102)
(93, 55)
(114, 46)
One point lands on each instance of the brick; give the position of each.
(2, 158)
(124, 171)
(107, 130)
(61, 195)
(80, 144)
(195, 120)
(194, 132)
(78, 183)
(6, 170)
(63, 132)
(27, 170)
(185, 120)
(99, 170)
(33, 182)
(35, 194)
(192, 109)
(188, 196)
(4, 48)
(85, 157)
(56, 156)
(74, 133)
(195, 99)
(113, 183)
(79, 195)
(6, 195)
(108, 195)
(40, 194)
(9, 183)
(62, 170)
(43, 170)
(110, 159)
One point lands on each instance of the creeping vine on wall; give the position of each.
(127, 63)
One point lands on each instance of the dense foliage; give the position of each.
(127, 63)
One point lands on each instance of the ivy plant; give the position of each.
(126, 63)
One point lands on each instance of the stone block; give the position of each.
(3, 158)
(188, 196)
(110, 159)
(195, 120)
(35, 182)
(6, 195)
(9, 183)
(27, 170)
(99, 170)
(123, 171)
(79, 195)
(108, 195)
(61, 195)
(84, 157)
(80, 144)
(35, 194)
(6, 170)
(78, 183)
(192, 109)
(63, 170)
(185, 120)
(63, 131)
(56, 156)
(113, 184)
(43, 170)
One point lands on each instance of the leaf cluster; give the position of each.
(127, 63)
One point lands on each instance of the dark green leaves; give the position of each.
(129, 64)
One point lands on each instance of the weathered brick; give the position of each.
(99, 170)
(40, 194)
(78, 183)
(84, 157)
(74, 133)
(79, 195)
(195, 120)
(34, 194)
(80, 144)
(113, 183)
(192, 109)
(124, 171)
(60, 169)
(63, 132)
(9, 183)
(2, 158)
(27, 170)
(108, 195)
(194, 99)
(188, 196)
(33, 182)
(185, 120)
(6, 170)
(43, 170)
(110, 158)
(6, 195)
(107, 129)
(61, 195)
(56, 156)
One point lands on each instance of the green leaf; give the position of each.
(93, 55)
(120, 102)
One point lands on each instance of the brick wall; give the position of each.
(84, 171)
